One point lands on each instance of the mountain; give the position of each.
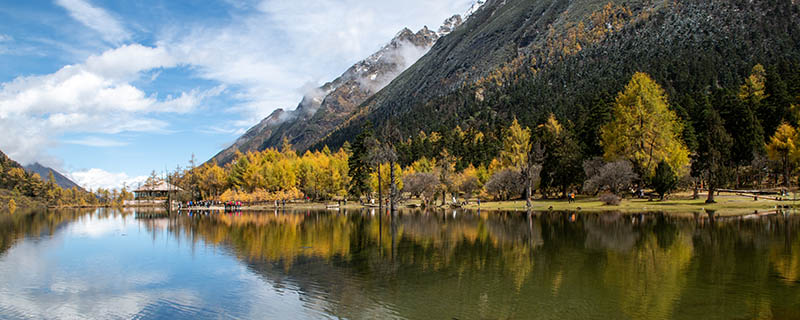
(526, 59)
(44, 172)
(6, 163)
(327, 107)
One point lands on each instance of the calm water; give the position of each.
(416, 265)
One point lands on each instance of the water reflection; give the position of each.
(417, 264)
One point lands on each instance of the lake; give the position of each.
(361, 264)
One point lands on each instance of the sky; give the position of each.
(106, 92)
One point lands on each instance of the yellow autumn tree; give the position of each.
(644, 130)
(423, 165)
(516, 146)
(782, 147)
(753, 89)
(386, 183)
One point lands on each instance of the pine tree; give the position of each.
(712, 159)
(359, 163)
(664, 180)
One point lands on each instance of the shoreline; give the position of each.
(727, 205)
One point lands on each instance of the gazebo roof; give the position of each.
(158, 186)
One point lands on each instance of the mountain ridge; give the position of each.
(61, 180)
(524, 59)
(324, 108)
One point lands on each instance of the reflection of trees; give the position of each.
(14, 227)
(611, 231)
(733, 272)
(499, 265)
(649, 278)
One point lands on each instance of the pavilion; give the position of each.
(156, 191)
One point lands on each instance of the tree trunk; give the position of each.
(393, 189)
(380, 192)
(444, 198)
(738, 181)
(711, 189)
(786, 171)
(528, 194)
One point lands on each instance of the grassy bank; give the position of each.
(681, 203)
(677, 204)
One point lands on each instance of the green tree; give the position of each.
(644, 130)
(561, 166)
(744, 127)
(712, 159)
(359, 162)
(664, 180)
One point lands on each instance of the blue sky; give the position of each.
(107, 91)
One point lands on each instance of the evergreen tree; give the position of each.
(664, 180)
(712, 159)
(359, 163)
(742, 124)
(562, 166)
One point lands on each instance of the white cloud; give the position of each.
(97, 142)
(98, 178)
(5, 37)
(96, 19)
(269, 54)
(261, 59)
(94, 97)
(128, 61)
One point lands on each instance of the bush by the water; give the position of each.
(505, 183)
(610, 199)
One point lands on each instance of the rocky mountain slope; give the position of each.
(44, 172)
(525, 59)
(327, 107)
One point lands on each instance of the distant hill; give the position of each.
(44, 172)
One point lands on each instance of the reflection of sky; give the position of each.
(115, 268)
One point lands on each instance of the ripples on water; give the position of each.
(415, 265)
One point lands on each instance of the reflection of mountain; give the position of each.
(14, 227)
(469, 265)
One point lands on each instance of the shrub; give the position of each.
(613, 176)
(610, 199)
(420, 184)
(665, 179)
(505, 183)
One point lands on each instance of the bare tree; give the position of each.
(468, 185)
(505, 183)
(421, 184)
(531, 171)
(613, 176)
